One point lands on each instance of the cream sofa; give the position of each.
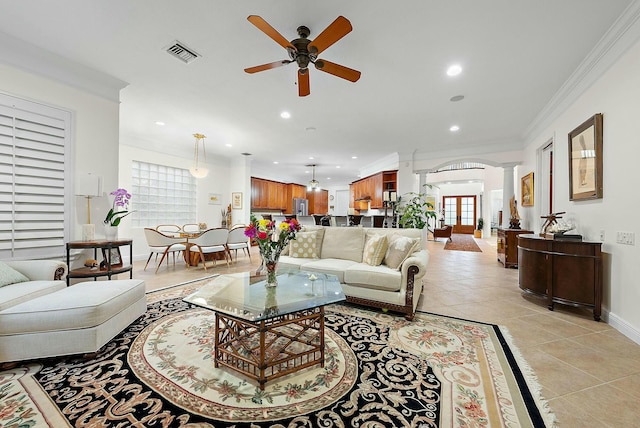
(339, 251)
(43, 317)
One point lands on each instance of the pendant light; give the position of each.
(313, 184)
(199, 170)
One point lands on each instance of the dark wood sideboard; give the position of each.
(562, 271)
(508, 246)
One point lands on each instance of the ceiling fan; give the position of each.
(304, 51)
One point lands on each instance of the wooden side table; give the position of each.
(113, 266)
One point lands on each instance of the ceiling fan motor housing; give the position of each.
(301, 55)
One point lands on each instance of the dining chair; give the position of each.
(160, 243)
(208, 242)
(238, 240)
(306, 220)
(342, 220)
(169, 229)
(366, 221)
(191, 228)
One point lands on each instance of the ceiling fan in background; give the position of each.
(304, 51)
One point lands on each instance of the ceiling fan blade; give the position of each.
(338, 70)
(334, 32)
(303, 83)
(270, 31)
(269, 66)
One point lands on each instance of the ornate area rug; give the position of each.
(380, 371)
(462, 242)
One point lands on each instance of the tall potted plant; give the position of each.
(478, 232)
(415, 211)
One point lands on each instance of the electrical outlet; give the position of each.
(626, 238)
(602, 236)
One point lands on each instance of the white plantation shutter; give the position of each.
(34, 146)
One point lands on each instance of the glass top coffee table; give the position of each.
(269, 332)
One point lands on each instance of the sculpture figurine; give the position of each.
(514, 221)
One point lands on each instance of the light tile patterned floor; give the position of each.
(589, 373)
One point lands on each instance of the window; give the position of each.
(162, 195)
(34, 151)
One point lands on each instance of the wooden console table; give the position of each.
(112, 267)
(562, 271)
(508, 246)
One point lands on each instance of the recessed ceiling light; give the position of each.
(354, 157)
(275, 162)
(228, 145)
(454, 128)
(160, 123)
(328, 178)
(448, 182)
(285, 115)
(306, 172)
(311, 157)
(456, 98)
(337, 166)
(454, 70)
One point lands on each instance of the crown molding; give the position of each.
(25, 56)
(622, 35)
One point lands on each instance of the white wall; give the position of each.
(617, 95)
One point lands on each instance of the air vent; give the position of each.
(182, 52)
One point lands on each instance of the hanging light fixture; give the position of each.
(313, 184)
(197, 170)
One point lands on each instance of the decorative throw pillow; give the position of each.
(9, 275)
(375, 249)
(304, 246)
(400, 248)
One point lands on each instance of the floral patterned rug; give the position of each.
(380, 370)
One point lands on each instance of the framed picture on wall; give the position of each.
(236, 200)
(585, 160)
(526, 190)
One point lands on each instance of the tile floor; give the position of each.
(589, 372)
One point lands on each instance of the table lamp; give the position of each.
(89, 186)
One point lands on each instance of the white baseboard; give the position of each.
(622, 326)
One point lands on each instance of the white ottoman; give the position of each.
(75, 320)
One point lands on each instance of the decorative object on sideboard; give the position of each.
(514, 220)
(199, 168)
(89, 186)
(551, 219)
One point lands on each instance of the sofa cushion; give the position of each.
(376, 277)
(292, 262)
(346, 243)
(304, 246)
(375, 248)
(400, 248)
(332, 266)
(9, 275)
(83, 305)
(15, 294)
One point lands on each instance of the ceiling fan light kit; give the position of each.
(303, 51)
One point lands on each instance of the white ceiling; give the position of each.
(515, 56)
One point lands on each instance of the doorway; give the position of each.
(460, 213)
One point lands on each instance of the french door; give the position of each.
(460, 213)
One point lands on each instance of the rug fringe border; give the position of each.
(531, 379)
